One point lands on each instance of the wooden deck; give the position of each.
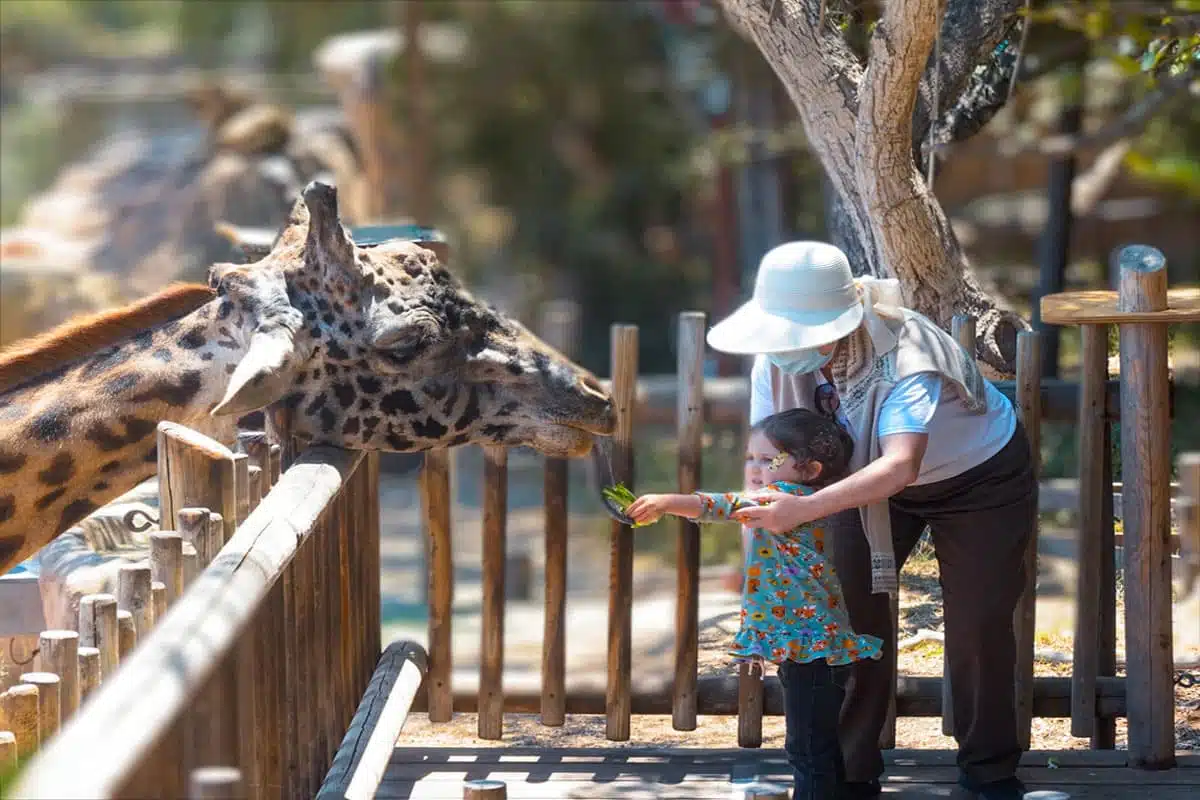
(417, 773)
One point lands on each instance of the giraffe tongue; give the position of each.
(603, 477)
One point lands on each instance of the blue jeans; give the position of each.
(812, 701)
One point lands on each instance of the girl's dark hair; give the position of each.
(809, 436)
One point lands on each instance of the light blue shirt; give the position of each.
(958, 439)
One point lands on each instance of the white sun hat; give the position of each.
(804, 297)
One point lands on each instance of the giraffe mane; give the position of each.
(85, 334)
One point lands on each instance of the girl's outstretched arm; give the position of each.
(700, 506)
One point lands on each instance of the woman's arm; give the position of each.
(897, 467)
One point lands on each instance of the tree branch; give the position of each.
(1131, 123)
(970, 32)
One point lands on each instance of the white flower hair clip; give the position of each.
(777, 462)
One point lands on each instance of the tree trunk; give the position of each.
(860, 125)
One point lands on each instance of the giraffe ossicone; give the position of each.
(374, 348)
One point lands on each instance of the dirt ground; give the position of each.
(920, 609)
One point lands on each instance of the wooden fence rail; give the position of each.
(252, 676)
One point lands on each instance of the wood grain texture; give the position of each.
(166, 562)
(624, 368)
(436, 500)
(19, 705)
(126, 634)
(195, 471)
(215, 783)
(1093, 373)
(134, 595)
(366, 749)
(560, 330)
(1104, 737)
(1101, 307)
(750, 706)
(49, 699)
(89, 672)
(1189, 532)
(1146, 465)
(98, 629)
(8, 749)
(495, 537)
(58, 653)
(690, 430)
(106, 745)
(1029, 411)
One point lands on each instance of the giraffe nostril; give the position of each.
(593, 387)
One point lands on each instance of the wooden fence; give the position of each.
(236, 656)
(1093, 697)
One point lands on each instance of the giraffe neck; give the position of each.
(80, 435)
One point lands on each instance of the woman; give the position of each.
(935, 445)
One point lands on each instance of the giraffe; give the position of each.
(372, 348)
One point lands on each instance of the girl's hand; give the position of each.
(779, 512)
(650, 508)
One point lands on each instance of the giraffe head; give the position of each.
(381, 348)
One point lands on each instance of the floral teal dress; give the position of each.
(792, 605)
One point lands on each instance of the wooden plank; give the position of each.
(366, 750)
(49, 701)
(436, 500)
(624, 361)
(103, 745)
(19, 706)
(98, 629)
(1105, 307)
(1093, 370)
(1146, 472)
(166, 562)
(1029, 376)
(134, 596)
(58, 652)
(195, 471)
(718, 695)
(750, 706)
(690, 428)
(491, 649)
(1105, 734)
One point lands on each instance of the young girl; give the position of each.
(793, 614)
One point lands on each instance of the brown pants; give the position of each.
(980, 522)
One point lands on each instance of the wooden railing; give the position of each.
(1093, 700)
(254, 674)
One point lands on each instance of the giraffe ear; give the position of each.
(264, 373)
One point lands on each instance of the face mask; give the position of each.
(799, 362)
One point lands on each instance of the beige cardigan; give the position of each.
(892, 344)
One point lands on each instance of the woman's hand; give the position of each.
(778, 512)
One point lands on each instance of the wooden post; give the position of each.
(215, 783)
(194, 529)
(620, 582)
(195, 471)
(491, 661)
(689, 416)
(1145, 503)
(49, 696)
(127, 637)
(216, 532)
(166, 562)
(485, 790)
(20, 705)
(158, 601)
(436, 498)
(134, 595)
(750, 705)
(255, 476)
(560, 329)
(191, 564)
(98, 629)
(963, 328)
(1029, 410)
(241, 480)
(1093, 378)
(8, 750)
(257, 446)
(58, 652)
(89, 671)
